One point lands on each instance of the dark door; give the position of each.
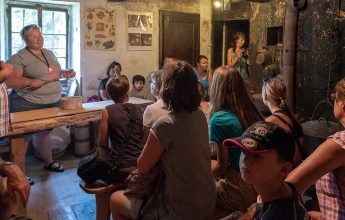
(229, 28)
(179, 36)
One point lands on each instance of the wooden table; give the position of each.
(37, 120)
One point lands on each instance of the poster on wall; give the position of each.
(100, 31)
(139, 30)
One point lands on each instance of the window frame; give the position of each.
(40, 8)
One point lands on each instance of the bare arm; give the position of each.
(210, 76)
(327, 157)
(146, 131)
(232, 62)
(220, 166)
(17, 81)
(103, 94)
(103, 134)
(150, 155)
(5, 70)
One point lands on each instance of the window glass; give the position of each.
(30, 17)
(62, 62)
(54, 28)
(59, 23)
(17, 19)
(17, 43)
(59, 52)
(47, 22)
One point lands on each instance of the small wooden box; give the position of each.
(71, 102)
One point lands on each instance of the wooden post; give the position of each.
(289, 52)
(18, 150)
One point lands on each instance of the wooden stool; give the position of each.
(102, 192)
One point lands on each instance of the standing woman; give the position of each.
(274, 97)
(232, 111)
(178, 144)
(35, 77)
(113, 69)
(238, 55)
(203, 74)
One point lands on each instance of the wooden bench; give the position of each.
(102, 193)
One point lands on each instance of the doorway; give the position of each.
(223, 35)
(179, 36)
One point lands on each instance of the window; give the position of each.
(274, 36)
(54, 24)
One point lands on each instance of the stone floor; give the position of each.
(57, 196)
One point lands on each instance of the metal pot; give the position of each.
(315, 133)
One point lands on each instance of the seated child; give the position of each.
(138, 90)
(115, 123)
(268, 153)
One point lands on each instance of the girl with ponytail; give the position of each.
(274, 97)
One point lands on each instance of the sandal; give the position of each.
(54, 166)
(30, 181)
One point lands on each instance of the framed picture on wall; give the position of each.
(226, 5)
(139, 30)
(100, 33)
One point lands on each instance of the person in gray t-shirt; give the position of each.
(178, 144)
(35, 83)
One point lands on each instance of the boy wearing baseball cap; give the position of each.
(268, 153)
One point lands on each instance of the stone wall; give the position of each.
(320, 58)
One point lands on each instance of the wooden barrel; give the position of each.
(82, 139)
(59, 139)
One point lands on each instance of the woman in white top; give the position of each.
(155, 110)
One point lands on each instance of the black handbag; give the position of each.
(100, 165)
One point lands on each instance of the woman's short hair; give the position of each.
(200, 57)
(180, 87)
(157, 77)
(111, 66)
(117, 88)
(26, 28)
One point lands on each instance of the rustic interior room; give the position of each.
(301, 42)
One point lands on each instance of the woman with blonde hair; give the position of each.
(274, 97)
(232, 111)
